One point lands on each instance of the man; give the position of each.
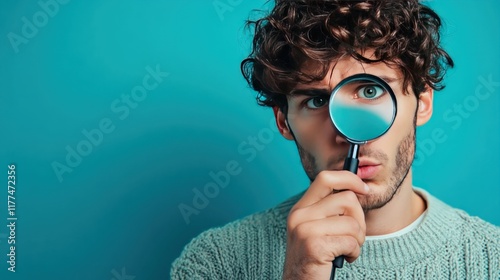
(385, 228)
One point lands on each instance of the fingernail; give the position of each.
(367, 188)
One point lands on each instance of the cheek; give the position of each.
(406, 113)
(313, 132)
(402, 126)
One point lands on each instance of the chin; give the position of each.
(377, 198)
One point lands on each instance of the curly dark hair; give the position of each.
(404, 33)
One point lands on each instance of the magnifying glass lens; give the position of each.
(362, 107)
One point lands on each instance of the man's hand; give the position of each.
(325, 224)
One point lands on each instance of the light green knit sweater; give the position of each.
(448, 244)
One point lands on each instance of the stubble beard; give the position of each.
(403, 161)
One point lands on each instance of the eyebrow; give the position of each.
(310, 92)
(388, 79)
(324, 91)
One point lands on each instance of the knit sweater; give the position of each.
(447, 244)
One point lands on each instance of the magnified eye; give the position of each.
(370, 92)
(317, 102)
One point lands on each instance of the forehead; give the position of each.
(347, 66)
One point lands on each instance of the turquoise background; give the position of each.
(117, 213)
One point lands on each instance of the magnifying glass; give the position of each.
(362, 108)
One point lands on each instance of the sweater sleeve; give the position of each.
(250, 248)
(200, 259)
(486, 242)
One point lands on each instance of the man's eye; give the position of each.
(370, 92)
(317, 102)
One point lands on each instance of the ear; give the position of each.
(282, 124)
(425, 100)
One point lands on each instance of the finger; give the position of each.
(345, 246)
(331, 226)
(339, 204)
(327, 182)
(326, 248)
(331, 247)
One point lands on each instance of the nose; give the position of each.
(333, 135)
(339, 139)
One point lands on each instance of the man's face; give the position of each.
(384, 162)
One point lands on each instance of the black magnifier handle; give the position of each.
(352, 161)
(351, 164)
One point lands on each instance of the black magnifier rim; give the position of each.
(365, 77)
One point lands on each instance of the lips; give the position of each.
(368, 169)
